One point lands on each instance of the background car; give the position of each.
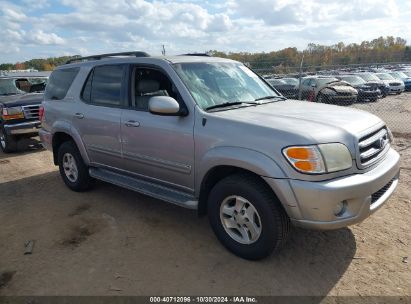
(286, 89)
(366, 91)
(371, 78)
(396, 86)
(328, 90)
(402, 76)
(20, 99)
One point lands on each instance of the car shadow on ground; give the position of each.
(161, 248)
(24, 146)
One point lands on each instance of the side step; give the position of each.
(160, 192)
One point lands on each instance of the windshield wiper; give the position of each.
(231, 103)
(271, 97)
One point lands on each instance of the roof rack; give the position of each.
(98, 57)
(196, 54)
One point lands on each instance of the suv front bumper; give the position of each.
(29, 127)
(312, 204)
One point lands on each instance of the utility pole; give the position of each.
(163, 51)
(301, 73)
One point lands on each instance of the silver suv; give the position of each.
(209, 134)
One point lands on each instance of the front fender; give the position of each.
(243, 158)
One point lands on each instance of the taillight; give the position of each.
(41, 113)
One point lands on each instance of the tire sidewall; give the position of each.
(83, 178)
(10, 142)
(269, 234)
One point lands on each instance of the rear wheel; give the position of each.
(246, 217)
(8, 143)
(72, 168)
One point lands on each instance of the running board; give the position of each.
(160, 192)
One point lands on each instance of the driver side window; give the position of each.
(148, 83)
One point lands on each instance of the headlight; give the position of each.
(319, 159)
(12, 113)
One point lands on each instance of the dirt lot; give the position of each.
(111, 241)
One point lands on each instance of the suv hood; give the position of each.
(21, 99)
(309, 120)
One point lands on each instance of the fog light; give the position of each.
(340, 208)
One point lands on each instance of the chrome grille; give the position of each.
(31, 111)
(373, 146)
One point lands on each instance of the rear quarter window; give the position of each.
(60, 82)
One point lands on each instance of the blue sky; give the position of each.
(47, 28)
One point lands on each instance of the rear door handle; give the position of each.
(79, 115)
(132, 123)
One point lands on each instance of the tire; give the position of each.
(271, 223)
(373, 99)
(72, 168)
(8, 143)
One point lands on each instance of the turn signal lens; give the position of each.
(306, 159)
(12, 113)
(299, 153)
(305, 165)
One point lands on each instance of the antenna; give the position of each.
(163, 51)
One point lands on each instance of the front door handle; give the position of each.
(79, 115)
(132, 123)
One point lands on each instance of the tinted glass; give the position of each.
(60, 82)
(106, 85)
(86, 94)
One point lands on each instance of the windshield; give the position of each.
(354, 80)
(292, 81)
(324, 81)
(398, 74)
(384, 76)
(212, 84)
(8, 87)
(369, 77)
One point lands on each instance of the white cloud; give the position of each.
(40, 37)
(93, 26)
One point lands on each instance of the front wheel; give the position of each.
(8, 143)
(72, 168)
(246, 217)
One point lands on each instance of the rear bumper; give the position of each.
(46, 139)
(312, 204)
(30, 127)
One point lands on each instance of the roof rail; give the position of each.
(196, 54)
(98, 57)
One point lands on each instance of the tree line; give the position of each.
(380, 50)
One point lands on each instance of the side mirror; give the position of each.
(163, 105)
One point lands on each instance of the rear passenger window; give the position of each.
(103, 85)
(60, 82)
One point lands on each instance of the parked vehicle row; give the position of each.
(363, 86)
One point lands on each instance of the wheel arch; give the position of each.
(63, 133)
(224, 161)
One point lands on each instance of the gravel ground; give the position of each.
(111, 241)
